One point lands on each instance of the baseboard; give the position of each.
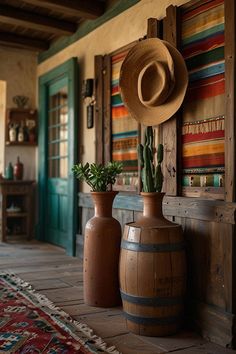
(214, 324)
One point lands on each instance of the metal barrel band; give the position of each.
(162, 247)
(151, 301)
(153, 320)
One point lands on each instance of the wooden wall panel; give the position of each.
(123, 216)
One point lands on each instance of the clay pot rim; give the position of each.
(107, 192)
(152, 193)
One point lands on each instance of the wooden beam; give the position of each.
(31, 20)
(16, 41)
(89, 9)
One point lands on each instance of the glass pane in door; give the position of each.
(58, 134)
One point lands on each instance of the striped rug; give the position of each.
(203, 108)
(125, 132)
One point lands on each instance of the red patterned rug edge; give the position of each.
(49, 305)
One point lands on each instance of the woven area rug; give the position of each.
(30, 323)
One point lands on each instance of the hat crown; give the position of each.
(155, 83)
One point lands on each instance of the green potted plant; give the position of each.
(152, 179)
(102, 236)
(152, 260)
(99, 177)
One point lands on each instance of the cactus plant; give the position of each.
(151, 175)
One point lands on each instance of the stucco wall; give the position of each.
(18, 70)
(119, 31)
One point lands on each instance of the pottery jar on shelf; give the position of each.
(18, 169)
(12, 133)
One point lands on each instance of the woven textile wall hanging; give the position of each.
(204, 107)
(125, 133)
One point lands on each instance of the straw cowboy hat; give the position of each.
(153, 81)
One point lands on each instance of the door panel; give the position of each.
(57, 154)
(57, 183)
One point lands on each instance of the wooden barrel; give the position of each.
(153, 278)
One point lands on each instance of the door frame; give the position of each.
(70, 70)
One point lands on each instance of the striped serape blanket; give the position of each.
(125, 132)
(204, 107)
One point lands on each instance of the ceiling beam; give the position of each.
(31, 20)
(16, 41)
(88, 9)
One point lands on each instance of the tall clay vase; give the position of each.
(101, 254)
(153, 271)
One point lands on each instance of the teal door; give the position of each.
(57, 154)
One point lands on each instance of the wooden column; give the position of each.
(99, 126)
(230, 141)
(154, 28)
(170, 130)
(230, 98)
(107, 108)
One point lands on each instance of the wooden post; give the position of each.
(230, 98)
(154, 28)
(170, 130)
(230, 140)
(107, 108)
(99, 138)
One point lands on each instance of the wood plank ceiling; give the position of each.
(36, 24)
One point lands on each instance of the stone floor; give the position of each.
(59, 277)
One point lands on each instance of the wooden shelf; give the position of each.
(17, 143)
(16, 235)
(16, 223)
(26, 119)
(16, 215)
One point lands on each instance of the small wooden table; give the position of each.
(16, 209)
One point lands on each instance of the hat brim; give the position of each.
(138, 57)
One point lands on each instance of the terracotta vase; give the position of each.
(18, 170)
(101, 254)
(153, 271)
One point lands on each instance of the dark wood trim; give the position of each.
(107, 108)
(190, 208)
(170, 130)
(99, 131)
(230, 99)
(89, 9)
(18, 41)
(33, 20)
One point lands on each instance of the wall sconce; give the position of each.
(89, 100)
